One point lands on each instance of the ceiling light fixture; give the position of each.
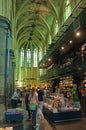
(62, 48)
(70, 41)
(49, 59)
(78, 34)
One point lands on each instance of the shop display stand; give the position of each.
(13, 115)
(61, 106)
(61, 116)
(83, 100)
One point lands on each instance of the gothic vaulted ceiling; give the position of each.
(36, 20)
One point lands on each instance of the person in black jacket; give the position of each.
(27, 104)
(40, 97)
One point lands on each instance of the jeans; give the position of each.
(34, 112)
(14, 103)
(41, 105)
(29, 113)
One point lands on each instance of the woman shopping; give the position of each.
(33, 98)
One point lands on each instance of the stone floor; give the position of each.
(72, 125)
(46, 125)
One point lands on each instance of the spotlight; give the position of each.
(78, 34)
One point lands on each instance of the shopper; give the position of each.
(27, 104)
(33, 98)
(40, 97)
(15, 98)
(75, 96)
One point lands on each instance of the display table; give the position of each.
(13, 115)
(61, 116)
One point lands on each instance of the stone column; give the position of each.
(11, 76)
(4, 27)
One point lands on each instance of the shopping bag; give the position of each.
(32, 106)
(40, 114)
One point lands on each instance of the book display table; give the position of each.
(14, 115)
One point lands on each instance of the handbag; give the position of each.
(32, 106)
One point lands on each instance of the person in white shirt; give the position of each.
(15, 98)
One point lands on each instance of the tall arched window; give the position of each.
(56, 27)
(28, 58)
(40, 71)
(67, 9)
(40, 55)
(35, 58)
(22, 57)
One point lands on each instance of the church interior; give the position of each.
(43, 42)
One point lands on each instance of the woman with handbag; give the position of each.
(33, 98)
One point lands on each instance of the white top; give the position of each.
(33, 99)
(15, 96)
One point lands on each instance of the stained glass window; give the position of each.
(28, 58)
(35, 57)
(40, 55)
(22, 57)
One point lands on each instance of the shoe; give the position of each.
(29, 119)
(35, 126)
